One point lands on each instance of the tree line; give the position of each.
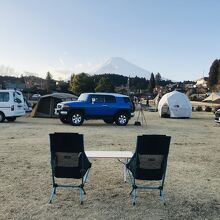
(84, 82)
(107, 82)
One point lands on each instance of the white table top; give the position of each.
(109, 154)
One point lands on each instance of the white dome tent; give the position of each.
(175, 105)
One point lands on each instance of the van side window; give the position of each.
(18, 100)
(18, 97)
(4, 96)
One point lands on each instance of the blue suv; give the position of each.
(110, 107)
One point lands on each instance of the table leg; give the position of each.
(125, 170)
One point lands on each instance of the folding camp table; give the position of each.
(112, 154)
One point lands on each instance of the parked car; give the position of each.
(35, 97)
(217, 116)
(11, 105)
(110, 107)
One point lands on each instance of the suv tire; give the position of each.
(121, 119)
(76, 118)
(108, 121)
(64, 120)
(2, 117)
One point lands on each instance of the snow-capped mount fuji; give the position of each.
(120, 66)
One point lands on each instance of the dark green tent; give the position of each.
(47, 103)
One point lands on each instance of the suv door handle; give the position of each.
(104, 105)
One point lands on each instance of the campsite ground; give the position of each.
(192, 182)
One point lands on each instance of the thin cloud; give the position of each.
(61, 61)
(78, 66)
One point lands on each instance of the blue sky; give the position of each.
(178, 38)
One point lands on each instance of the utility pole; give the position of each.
(128, 86)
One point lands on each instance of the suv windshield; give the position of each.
(83, 97)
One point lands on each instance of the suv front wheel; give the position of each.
(64, 120)
(76, 118)
(121, 119)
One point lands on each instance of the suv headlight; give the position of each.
(59, 106)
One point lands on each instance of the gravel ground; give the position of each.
(192, 183)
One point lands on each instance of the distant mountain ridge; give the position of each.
(120, 66)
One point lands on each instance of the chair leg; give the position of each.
(130, 178)
(84, 191)
(134, 202)
(81, 187)
(134, 191)
(52, 194)
(86, 176)
(162, 196)
(81, 192)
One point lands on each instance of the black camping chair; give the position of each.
(149, 162)
(68, 160)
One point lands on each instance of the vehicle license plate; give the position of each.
(63, 113)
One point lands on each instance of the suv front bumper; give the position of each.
(217, 116)
(58, 111)
(217, 119)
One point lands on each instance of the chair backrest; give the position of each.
(66, 142)
(153, 144)
(67, 155)
(151, 156)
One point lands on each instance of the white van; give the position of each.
(11, 105)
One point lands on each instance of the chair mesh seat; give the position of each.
(150, 162)
(66, 159)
